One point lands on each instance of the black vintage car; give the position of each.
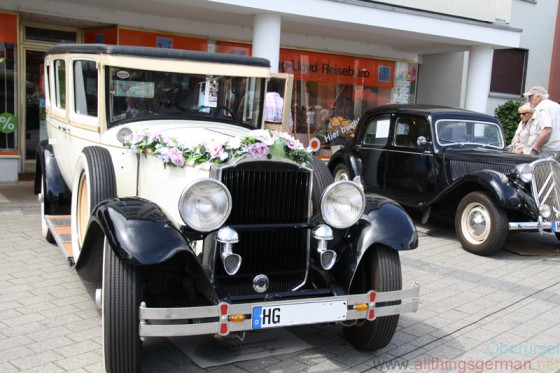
(453, 162)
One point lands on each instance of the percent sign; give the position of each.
(8, 123)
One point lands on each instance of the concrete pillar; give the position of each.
(266, 38)
(478, 78)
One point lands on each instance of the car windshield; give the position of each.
(146, 94)
(461, 132)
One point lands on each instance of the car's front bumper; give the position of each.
(539, 225)
(225, 318)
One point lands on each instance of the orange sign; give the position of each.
(8, 28)
(322, 67)
(161, 40)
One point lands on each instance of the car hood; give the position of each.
(468, 160)
(190, 133)
(486, 155)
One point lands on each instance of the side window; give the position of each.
(85, 86)
(408, 130)
(377, 131)
(402, 132)
(47, 86)
(60, 84)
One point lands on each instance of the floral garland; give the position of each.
(257, 144)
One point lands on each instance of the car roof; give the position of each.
(434, 111)
(158, 53)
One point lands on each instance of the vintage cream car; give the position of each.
(160, 183)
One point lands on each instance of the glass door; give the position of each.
(34, 111)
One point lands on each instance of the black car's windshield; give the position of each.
(145, 94)
(464, 133)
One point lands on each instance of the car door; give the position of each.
(410, 171)
(58, 125)
(373, 152)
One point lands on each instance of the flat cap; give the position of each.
(536, 90)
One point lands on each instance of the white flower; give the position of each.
(262, 136)
(234, 142)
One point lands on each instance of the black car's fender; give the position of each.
(506, 194)
(57, 197)
(140, 234)
(350, 159)
(384, 223)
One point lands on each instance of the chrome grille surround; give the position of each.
(271, 201)
(545, 185)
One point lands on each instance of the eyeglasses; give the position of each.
(524, 113)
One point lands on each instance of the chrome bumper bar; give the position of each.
(225, 318)
(531, 226)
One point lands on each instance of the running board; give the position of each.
(59, 225)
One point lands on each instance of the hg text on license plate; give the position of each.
(298, 314)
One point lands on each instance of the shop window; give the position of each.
(85, 84)
(8, 94)
(60, 84)
(509, 67)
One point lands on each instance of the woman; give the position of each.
(524, 138)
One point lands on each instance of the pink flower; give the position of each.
(152, 137)
(176, 157)
(292, 143)
(137, 137)
(216, 150)
(258, 150)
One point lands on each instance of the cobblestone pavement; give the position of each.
(478, 314)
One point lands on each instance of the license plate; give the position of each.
(298, 314)
(554, 226)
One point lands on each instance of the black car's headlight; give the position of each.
(524, 172)
(342, 204)
(205, 204)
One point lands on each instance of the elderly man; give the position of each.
(547, 119)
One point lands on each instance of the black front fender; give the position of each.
(384, 223)
(57, 196)
(139, 231)
(502, 189)
(140, 234)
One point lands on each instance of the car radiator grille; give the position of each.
(264, 194)
(546, 185)
(461, 168)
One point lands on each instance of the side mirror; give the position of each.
(421, 141)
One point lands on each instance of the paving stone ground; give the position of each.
(478, 314)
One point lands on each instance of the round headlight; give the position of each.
(123, 134)
(342, 204)
(205, 205)
(525, 172)
(545, 211)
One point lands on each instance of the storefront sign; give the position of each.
(8, 123)
(322, 67)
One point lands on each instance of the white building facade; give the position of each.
(346, 55)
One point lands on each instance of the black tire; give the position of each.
(44, 227)
(480, 225)
(341, 172)
(380, 270)
(322, 178)
(94, 181)
(122, 349)
(557, 235)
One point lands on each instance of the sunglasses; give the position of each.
(524, 113)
